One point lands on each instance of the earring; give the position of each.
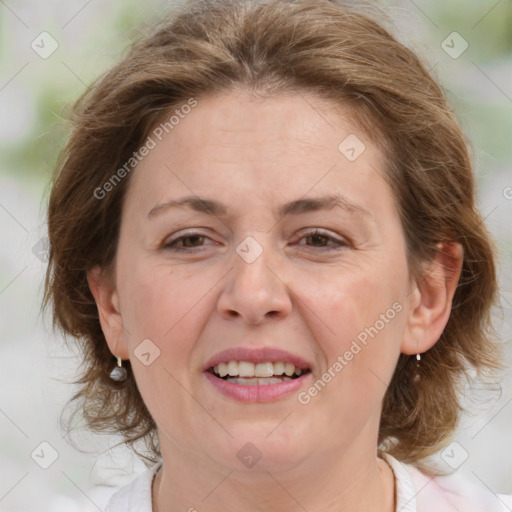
(416, 377)
(118, 373)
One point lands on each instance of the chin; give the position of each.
(259, 448)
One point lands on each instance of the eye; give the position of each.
(190, 242)
(318, 237)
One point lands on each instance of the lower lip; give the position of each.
(264, 393)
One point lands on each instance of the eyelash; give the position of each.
(340, 244)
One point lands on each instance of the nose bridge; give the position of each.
(253, 288)
(253, 263)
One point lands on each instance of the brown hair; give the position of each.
(315, 46)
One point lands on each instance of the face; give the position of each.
(300, 260)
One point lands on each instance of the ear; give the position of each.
(107, 300)
(430, 302)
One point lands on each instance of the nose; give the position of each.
(255, 290)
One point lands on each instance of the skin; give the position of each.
(253, 155)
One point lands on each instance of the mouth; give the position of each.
(247, 373)
(263, 374)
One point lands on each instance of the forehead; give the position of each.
(236, 146)
(236, 117)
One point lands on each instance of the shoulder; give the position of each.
(136, 496)
(418, 492)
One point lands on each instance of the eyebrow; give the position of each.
(297, 207)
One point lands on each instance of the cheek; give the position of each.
(348, 303)
(157, 300)
(160, 304)
(364, 317)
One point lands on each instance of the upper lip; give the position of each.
(257, 355)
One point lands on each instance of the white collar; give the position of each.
(137, 496)
(440, 495)
(404, 488)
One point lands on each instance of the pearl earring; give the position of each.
(119, 372)
(416, 377)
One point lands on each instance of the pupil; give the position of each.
(317, 238)
(192, 237)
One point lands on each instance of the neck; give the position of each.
(356, 482)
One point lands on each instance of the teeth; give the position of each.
(289, 369)
(222, 369)
(266, 370)
(245, 369)
(278, 368)
(258, 382)
(232, 369)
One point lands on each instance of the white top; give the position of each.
(415, 492)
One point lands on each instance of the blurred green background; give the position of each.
(100, 33)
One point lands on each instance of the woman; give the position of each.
(263, 228)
